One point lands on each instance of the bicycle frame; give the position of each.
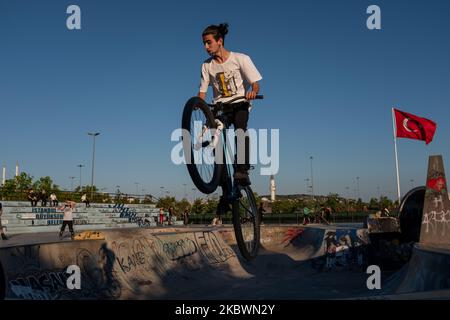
(218, 111)
(233, 192)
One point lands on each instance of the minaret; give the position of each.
(272, 188)
(17, 168)
(4, 175)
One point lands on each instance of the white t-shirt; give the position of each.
(68, 214)
(228, 79)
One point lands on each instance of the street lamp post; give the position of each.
(80, 166)
(93, 134)
(357, 187)
(312, 180)
(348, 199)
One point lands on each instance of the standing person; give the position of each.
(161, 216)
(85, 200)
(261, 212)
(326, 215)
(171, 214)
(4, 237)
(231, 74)
(306, 213)
(67, 218)
(186, 217)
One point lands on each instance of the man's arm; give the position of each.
(250, 95)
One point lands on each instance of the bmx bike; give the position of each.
(209, 159)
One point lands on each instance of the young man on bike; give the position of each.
(229, 73)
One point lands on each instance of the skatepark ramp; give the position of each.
(185, 263)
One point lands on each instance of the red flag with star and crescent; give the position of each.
(414, 127)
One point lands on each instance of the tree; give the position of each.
(210, 206)
(148, 199)
(197, 206)
(182, 205)
(9, 188)
(374, 204)
(23, 181)
(45, 183)
(166, 202)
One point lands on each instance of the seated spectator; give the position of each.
(43, 197)
(53, 200)
(85, 200)
(33, 198)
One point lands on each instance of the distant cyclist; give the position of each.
(230, 74)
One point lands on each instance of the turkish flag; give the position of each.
(414, 127)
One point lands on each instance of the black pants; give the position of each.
(68, 223)
(238, 117)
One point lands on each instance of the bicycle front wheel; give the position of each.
(198, 129)
(246, 221)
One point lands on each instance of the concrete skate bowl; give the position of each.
(426, 276)
(191, 263)
(427, 273)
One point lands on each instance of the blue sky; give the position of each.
(329, 85)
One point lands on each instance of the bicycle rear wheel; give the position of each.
(246, 221)
(198, 126)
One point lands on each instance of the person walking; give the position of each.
(306, 213)
(161, 216)
(186, 217)
(171, 214)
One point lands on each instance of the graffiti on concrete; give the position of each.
(99, 279)
(436, 210)
(140, 261)
(211, 248)
(131, 214)
(36, 282)
(39, 285)
(291, 235)
(343, 249)
(180, 249)
(433, 218)
(129, 263)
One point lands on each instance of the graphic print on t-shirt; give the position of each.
(227, 83)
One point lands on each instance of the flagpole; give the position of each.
(396, 157)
